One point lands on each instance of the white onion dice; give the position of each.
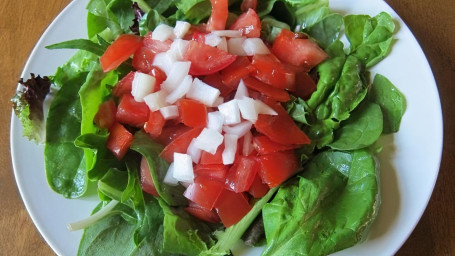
(183, 167)
(230, 148)
(209, 140)
(239, 129)
(230, 111)
(143, 84)
(156, 100)
(253, 46)
(181, 28)
(169, 112)
(180, 91)
(163, 32)
(203, 93)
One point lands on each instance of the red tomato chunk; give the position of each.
(147, 183)
(231, 207)
(202, 213)
(218, 18)
(241, 175)
(180, 144)
(119, 140)
(155, 123)
(119, 51)
(249, 23)
(278, 167)
(193, 113)
(105, 117)
(204, 191)
(132, 112)
(205, 59)
(257, 188)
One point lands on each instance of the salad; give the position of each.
(252, 126)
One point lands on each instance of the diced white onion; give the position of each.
(143, 84)
(212, 39)
(247, 144)
(239, 129)
(178, 49)
(218, 101)
(169, 178)
(203, 93)
(178, 72)
(235, 46)
(180, 91)
(263, 108)
(228, 33)
(181, 28)
(209, 140)
(169, 112)
(156, 100)
(194, 152)
(248, 109)
(164, 61)
(230, 111)
(163, 32)
(253, 46)
(215, 121)
(183, 167)
(242, 91)
(223, 44)
(230, 148)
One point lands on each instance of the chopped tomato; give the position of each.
(204, 191)
(297, 51)
(231, 207)
(202, 213)
(159, 76)
(132, 112)
(214, 171)
(156, 46)
(271, 71)
(217, 158)
(119, 140)
(278, 167)
(281, 128)
(124, 85)
(257, 188)
(239, 69)
(193, 113)
(179, 144)
(143, 59)
(146, 178)
(205, 59)
(105, 117)
(248, 4)
(155, 123)
(242, 173)
(199, 37)
(269, 91)
(119, 51)
(304, 85)
(263, 145)
(249, 23)
(215, 81)
(170, 133)
(218, 18)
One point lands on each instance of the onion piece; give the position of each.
(223, 44)
(176, 75)
(218, 101)
(180, 91)
(212, 39)
(178, 49)
(203, 93)
(143, 84)
(169, 178)
(156, 100)
(181, 28)
(230, 111)
(248, 109)
(194, 152)
(263, 108)
(164, 61)
(228, 33)
(230, 148)
(253, 46)
(209, 140)
(235, 46)
(247, 148)
(215, 121)
(163, 32)
(242, 91)
(183, 167)
(170, 112)
(239, 129)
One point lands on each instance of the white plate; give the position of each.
(410, 159)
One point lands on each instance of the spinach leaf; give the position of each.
(81, 62)
(327, 30)
(329, 208)
(361, 130)
(150, 21)
(122, 13)
(391, 101)
(81, 44)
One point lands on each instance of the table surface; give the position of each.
(432, 21)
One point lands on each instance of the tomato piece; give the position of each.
(119, 140)
(132, 112)
(193, 113)
(105, 117)
(257, 188)
(159, 76)
(249, 23)
(215, 81)
(281, 128)
(179, 144)
(155, 123)
(204, 191)
(202, 213)
(214, 171)
(239, 69)
(269, 91)
(199, 37)
(242, 173)
(248, 4)
(143, 59)
(170, 133)
(217, 158)
(124, 85)
(146, 178)
(263, 145)
(278, 167)
(231, 207)
(271, 71)
(297, 51)
(205, 59)
(219, 15)
(156, 46)
(119, 51)
(304, 85)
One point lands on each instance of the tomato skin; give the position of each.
(132, 112)
(219, 15)
(241, 175)
(179, 144)
(297, 51)
(239, 69)
(248, 4)
(193, 113)
(304, 85)
(205, 59)
(119, 140)
(214, 171)
(217, 158)
(269, 91)
(170, 133)
(199, 37)
(215, 81)
(257, 188)
(231, 207)
(278, 167)
(105, 117)
(156, 46)
(119, 51)
(204, 191)
(155, 123)
(201, 213)
(124, 85)
(249, 23)
(159, 76)
(271, 71)
(147, 183)
(263, 145)
(143, 59)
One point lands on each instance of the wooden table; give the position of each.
(432, 22)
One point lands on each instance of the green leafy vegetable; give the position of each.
(81, 44)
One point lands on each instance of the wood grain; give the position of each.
(433, 23)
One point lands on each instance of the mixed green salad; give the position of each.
(326, 204)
